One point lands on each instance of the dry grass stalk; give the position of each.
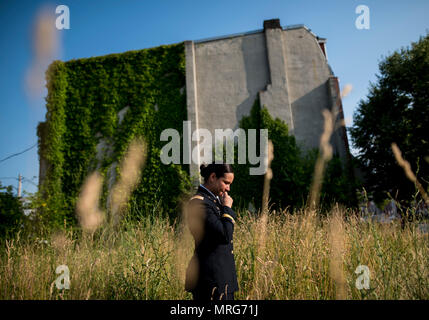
(180, 257)
(194, 220)
(45, 47)
(89, 215)
(131, 167)
(268, 176)
(408, 172)
(337, 240)
(325, 154)
(261, 229)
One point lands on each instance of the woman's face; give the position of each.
(220, 185)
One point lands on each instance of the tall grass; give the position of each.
(303, 257)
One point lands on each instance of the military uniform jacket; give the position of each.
(212, 226)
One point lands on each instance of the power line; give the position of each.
(28, 180)
(24, 179)
(19, 153)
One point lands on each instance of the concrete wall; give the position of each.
(223, 80)
(276, 97)
(229, 74)
(286, 67)
(308, 74)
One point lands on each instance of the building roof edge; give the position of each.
(239, 34)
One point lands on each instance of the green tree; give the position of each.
(11, 212)
(395, 110)
(290, 183)
(292, 170)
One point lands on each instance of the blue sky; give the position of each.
(103, 27)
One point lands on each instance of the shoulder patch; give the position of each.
(197, 197)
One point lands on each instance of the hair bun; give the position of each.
(203, 168)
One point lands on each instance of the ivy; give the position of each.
(84, 99)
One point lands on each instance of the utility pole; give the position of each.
(19, 185)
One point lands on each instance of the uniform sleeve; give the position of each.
(228, 212)
(202, 218)
(221, 228)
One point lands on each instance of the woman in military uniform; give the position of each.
(211, 272)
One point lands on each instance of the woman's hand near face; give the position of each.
(226, 199)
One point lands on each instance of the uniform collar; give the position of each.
(203, 189)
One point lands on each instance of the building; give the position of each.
(286, 67)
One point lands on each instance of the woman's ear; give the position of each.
(212, 177)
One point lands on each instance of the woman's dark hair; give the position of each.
(218, 168)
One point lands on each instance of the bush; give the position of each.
(11, 213)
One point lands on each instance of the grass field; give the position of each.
(278, 256)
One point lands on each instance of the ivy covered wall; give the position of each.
(95, 107)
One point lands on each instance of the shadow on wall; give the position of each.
(257, 73)
(308, 119)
